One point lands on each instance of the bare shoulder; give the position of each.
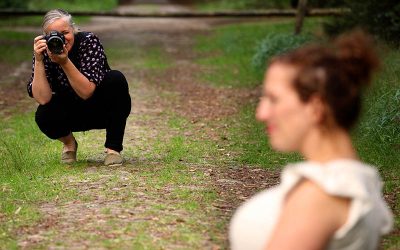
(309, 218)
(310, 198)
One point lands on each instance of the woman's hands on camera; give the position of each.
(59, 58)
(40, 46)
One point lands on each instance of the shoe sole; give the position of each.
(114, 165)
(68, 161)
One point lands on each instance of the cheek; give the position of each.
(69, 39)
(291, 127)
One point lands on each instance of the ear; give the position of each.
(318, 109)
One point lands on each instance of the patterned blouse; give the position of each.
(87, 54)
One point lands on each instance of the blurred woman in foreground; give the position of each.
(311, 100)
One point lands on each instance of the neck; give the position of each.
(324, 146)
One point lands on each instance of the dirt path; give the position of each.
(151, 202)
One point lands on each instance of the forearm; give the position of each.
(41, 90)
(81, 85)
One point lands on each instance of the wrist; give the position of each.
(38, 59)
(64, 62)
(39, 62)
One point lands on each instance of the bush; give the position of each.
(263, 4)
(276, 44)
(379, 129)
(320, 3)
(13, 4)
(379, 17)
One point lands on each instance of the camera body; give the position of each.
(55, 42)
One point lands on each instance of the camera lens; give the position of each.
(55, 45)
(55, 42)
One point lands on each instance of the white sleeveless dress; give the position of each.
(369, 216)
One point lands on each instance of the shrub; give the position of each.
(379, 129)
(320, 3)
(13, 4)
(379, 17)
(276, 44)
(264, 4)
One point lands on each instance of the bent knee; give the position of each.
(117, 80)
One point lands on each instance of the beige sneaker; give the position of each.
(113, 159)
(69, 157)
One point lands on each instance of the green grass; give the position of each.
(378, 133)
(29, 174)
(17, 21)
(33, 170)
(181, 150)
(16, 47)
(126, 55)
(170, 169)
(377, 137)
(230, 50)
(156, 60)
(248, 138)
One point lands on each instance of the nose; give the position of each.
(262, 111)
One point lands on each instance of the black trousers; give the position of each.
(108, 108)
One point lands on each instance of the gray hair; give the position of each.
(55, 14)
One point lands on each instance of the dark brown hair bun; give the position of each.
(357, 53)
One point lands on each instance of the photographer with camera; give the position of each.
(76, 89)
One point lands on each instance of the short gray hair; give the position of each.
(55, 14)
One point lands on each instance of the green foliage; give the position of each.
(379, 17)
(248, 137)
(322, 3)
(13, 21)
(70, 5)
(15, 47)
(156, 59)
(230, 49)
(13, 4)
(275, 44)
(73, 5)
(263, 4)
(23, 153)
(29, 173)
(378, 133)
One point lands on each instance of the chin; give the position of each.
(282, 147)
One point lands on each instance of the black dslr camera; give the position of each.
(55, 42)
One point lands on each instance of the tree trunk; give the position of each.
(301, 12)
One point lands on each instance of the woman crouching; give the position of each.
(76, 89)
